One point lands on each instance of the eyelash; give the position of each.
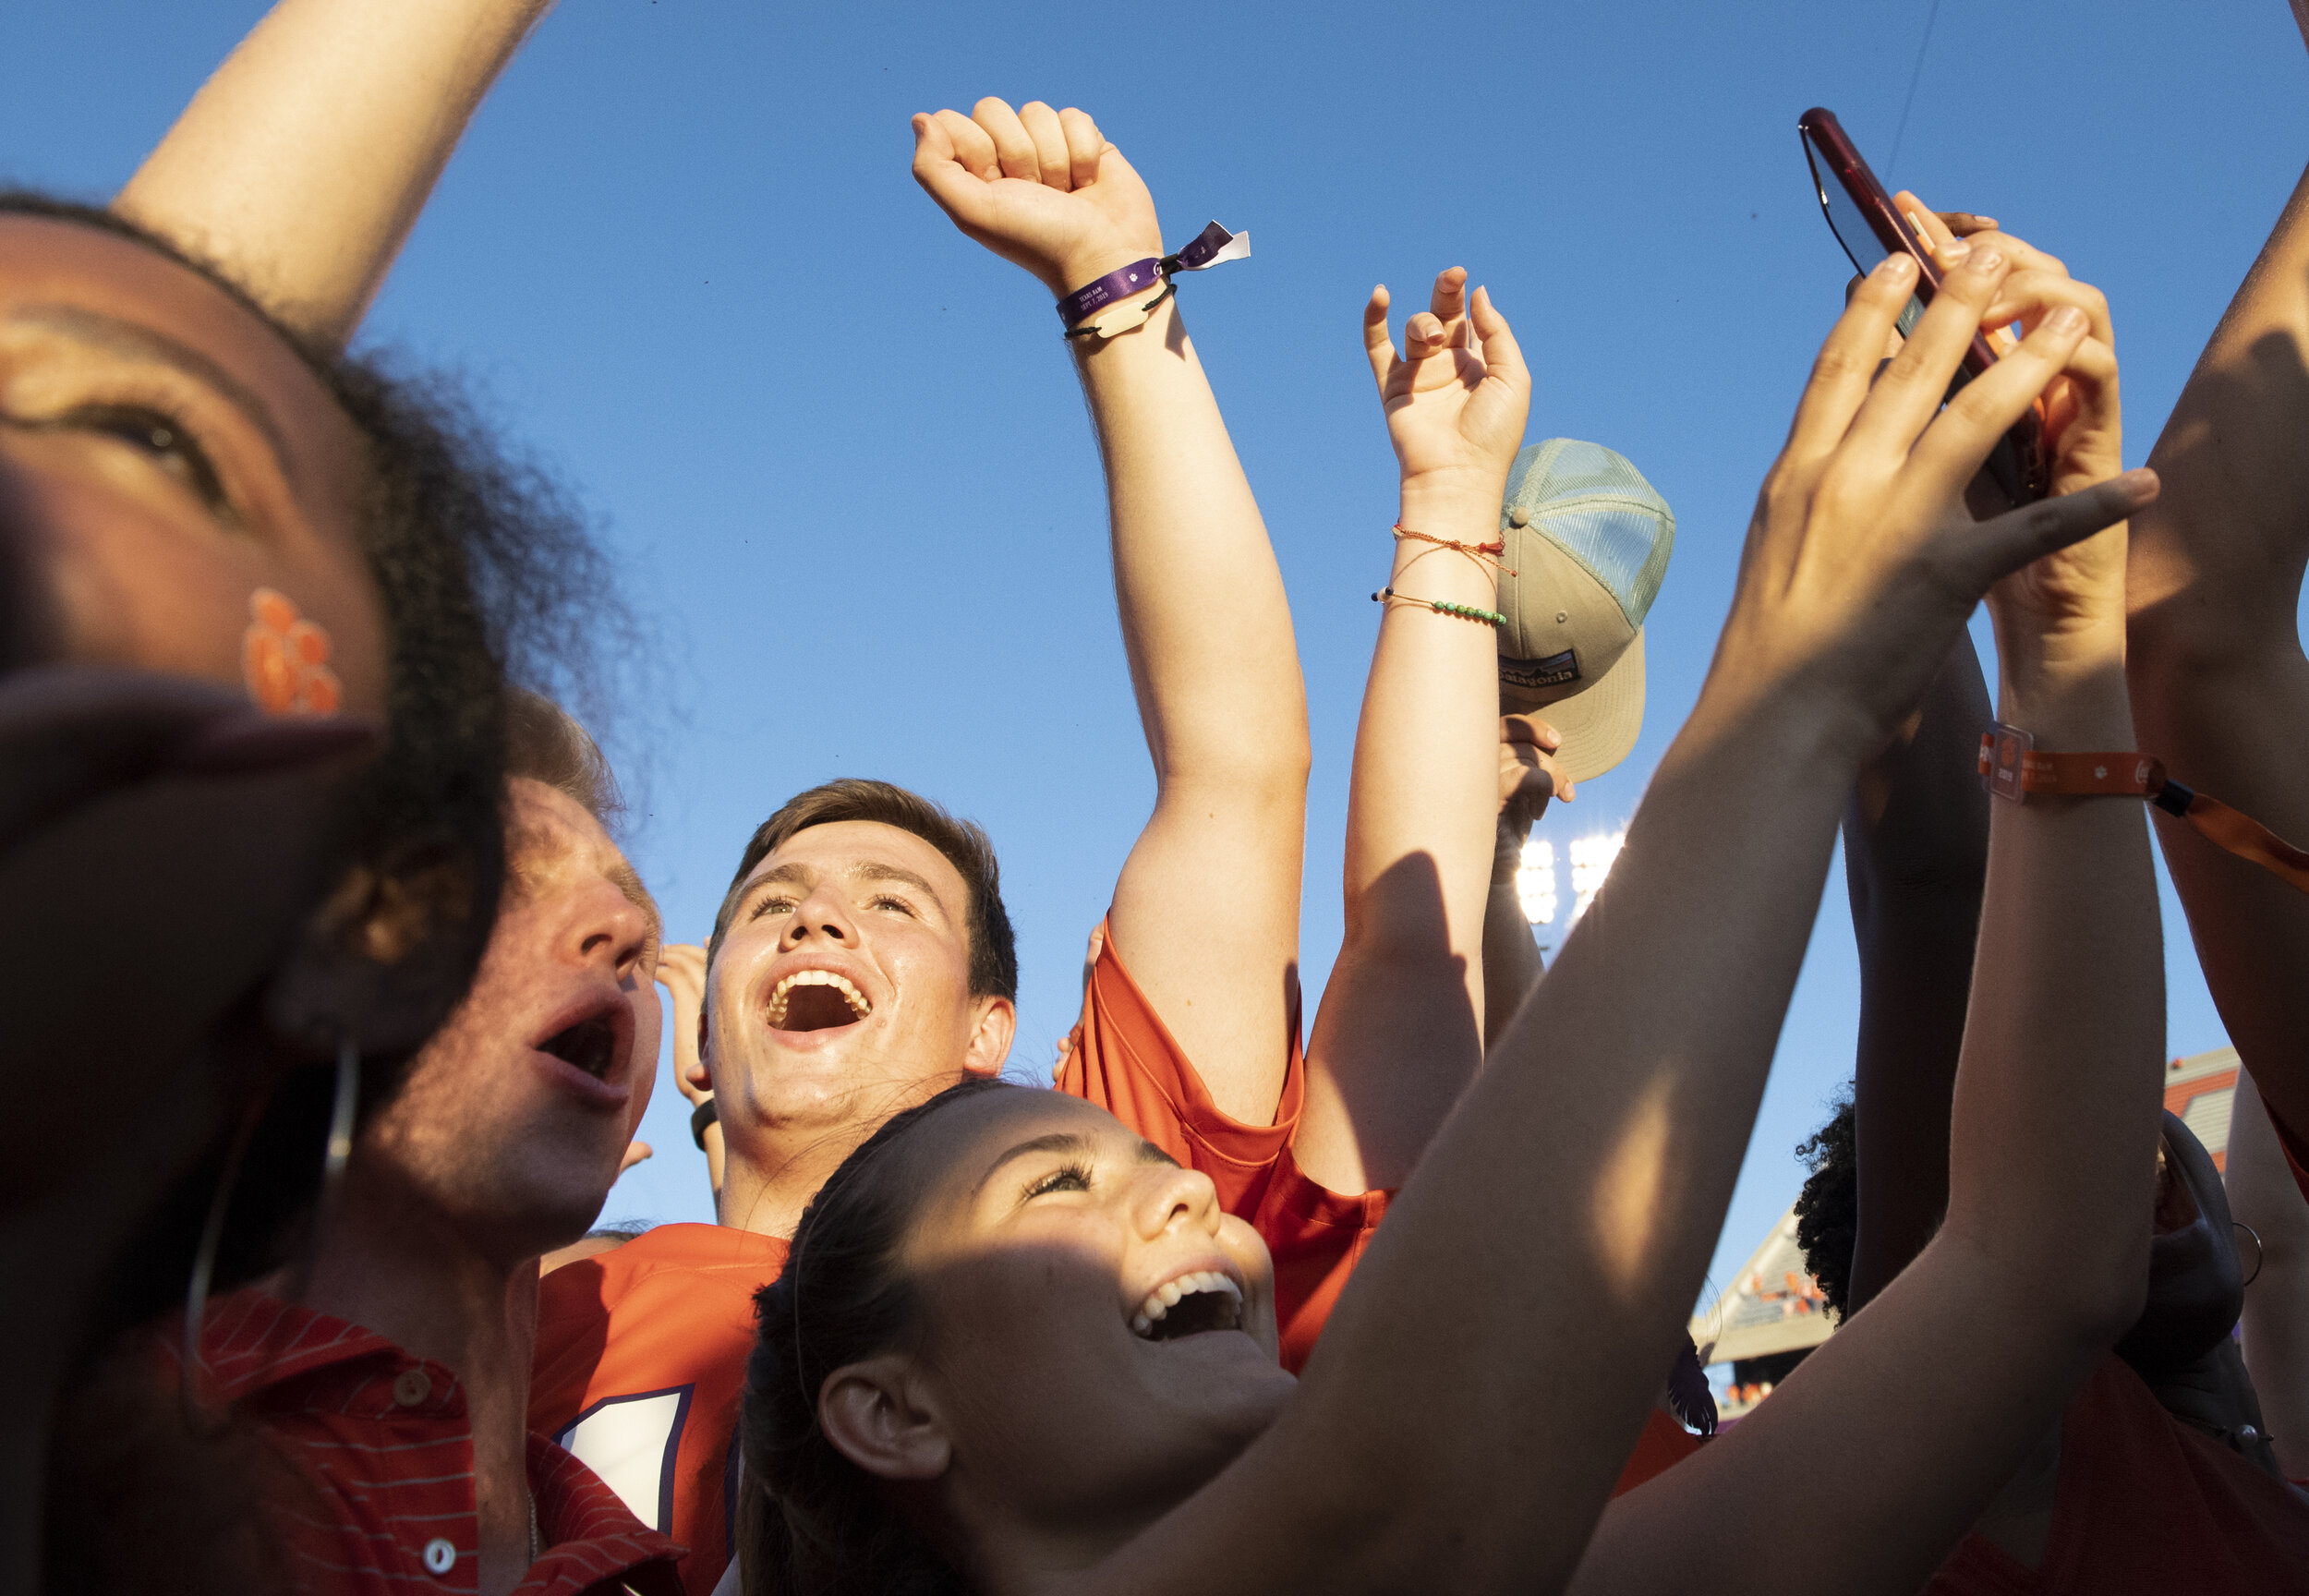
(770, 905)
(163, 436)
(1067, 1177)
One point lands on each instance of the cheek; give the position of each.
(117, 579)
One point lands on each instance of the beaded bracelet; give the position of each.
(1443, 607)
(1491, 552)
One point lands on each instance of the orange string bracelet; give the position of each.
(1491, 552)
(2011, 767)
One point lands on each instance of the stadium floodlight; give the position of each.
(1535, 882)
(1590, 863)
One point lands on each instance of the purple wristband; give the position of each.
(1130, 279)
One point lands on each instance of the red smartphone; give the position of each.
(1870, 228)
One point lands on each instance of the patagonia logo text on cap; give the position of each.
(1552, 671)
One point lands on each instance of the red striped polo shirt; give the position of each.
(385, 1442)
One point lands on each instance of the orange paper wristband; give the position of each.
(2012, 766)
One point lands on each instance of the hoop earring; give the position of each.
(334, 1158)
(196, 1416)
(2260, 1252)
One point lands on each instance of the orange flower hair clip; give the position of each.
(285, 658)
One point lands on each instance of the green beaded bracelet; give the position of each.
(1443, 607)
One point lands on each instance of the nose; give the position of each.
(823, 917)
(1172, 1196)
(608, 931)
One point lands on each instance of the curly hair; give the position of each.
(486, 572)
(810, 1522)
(1828, 1209)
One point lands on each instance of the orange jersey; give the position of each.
(640, 1362)
(1124, 1058)
(2146, 1503)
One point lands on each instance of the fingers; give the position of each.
(1448, 303)
(1965, 223)
(1013, 147)
(1906, 398)
(1531, 729)
(1503, 357)
(1054, 161)
(1085, 144)
(1847, 363)
(2031, 292)
(1424, 335)
(634, 1153)
(1930, 224)
(1376, 344)
(1953, 449)
(1997, 549)
(973, 151)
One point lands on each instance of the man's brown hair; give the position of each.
(993, 945)
(544, 743)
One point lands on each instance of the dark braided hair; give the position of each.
(810, 1522)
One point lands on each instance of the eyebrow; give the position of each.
(525, 841)
(115, 336)
(1073, 1141)
(796, 873)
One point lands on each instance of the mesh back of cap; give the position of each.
(1596, 506)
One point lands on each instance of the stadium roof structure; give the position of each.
(1773, 1305)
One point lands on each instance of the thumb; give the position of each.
(635, 1152)
(2014, 539)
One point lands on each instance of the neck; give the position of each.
(770, 1171)
(389, 1262)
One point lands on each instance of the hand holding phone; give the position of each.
(1870, 225)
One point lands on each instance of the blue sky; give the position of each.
(838, 453)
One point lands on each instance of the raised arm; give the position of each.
(2055, 1117)
(2220, 688)
(1206, 910)
(300, 167)
(1400, 1032)
(1554, 1236)
(1527, 780)
(1915, 861)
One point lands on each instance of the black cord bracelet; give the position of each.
(700, 1117)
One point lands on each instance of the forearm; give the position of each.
(2263, 1196)
(301, 165)
(1916, 859)
(1511, 965)
(1205, 622)
(2056, 1109)
(1613, 1099)
(1400, 1034)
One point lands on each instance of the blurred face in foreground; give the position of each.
(163, 456)
(1098, 1337)
(515, 1117)
(841, 993)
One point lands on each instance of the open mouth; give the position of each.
(1190, 1305)
(590, 1045)
(816, 1000)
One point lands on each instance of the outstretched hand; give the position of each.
(1862, 562)
(1457, 393)
(1042, 189)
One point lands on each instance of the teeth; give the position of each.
(1163, 1298)
(851, 995)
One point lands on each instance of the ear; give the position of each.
(990, 1037)
(870, 1412)
(387, 958)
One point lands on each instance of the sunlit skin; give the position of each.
(1045, 1426)
(516, 1145)
(162, 454)
(885, 910)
